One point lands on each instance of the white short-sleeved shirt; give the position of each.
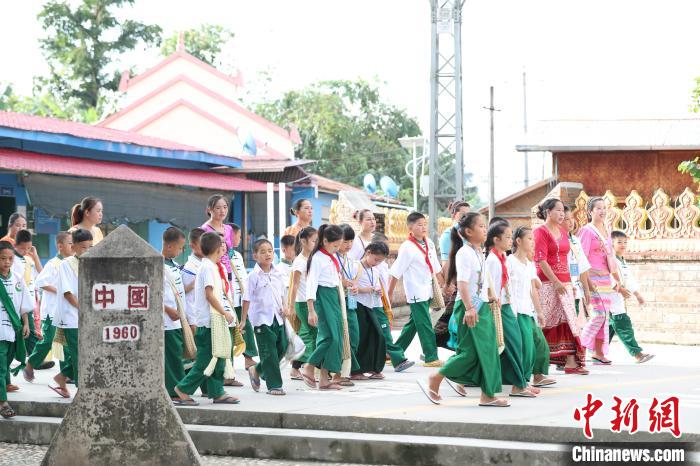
(494, 268)
(578, 264)
(239, 264)
(369, 278)
(628, 281)
(321, 273)
(265, 293)
(172, 272)
(66, 314)
(21, 299)
(299, 265)
(48, 277)
(207, 276)
(189, 274)
(349, 267)
(411, 265)
(358, 248)
(18, 268)
(521, 278)
(471, 268)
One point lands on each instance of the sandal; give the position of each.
(309, 381)
(7, 412)
(580, 370)
(61, 391)
(185, 402)
(28, 375)
(344, 383)
(11, 388)
(254, 379)
(232, 383)
(359, 377)
(330, 386)
(429, 393)
(524, 394)
(497, 403)
(645, 358)
(459, 389)
(544, 382)
(276, 392)
(377, 376)
(601, 362)
(227, 400)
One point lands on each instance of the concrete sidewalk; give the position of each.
(675, 371)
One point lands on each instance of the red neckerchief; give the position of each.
(335, 261)
(504, 269)
(412, 239)
(223, 275)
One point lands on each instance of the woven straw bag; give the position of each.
(221, 345)
(437, 302)
(189, 346)
(496, 310)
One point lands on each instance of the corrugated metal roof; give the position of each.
(17, 160)
(613, 135)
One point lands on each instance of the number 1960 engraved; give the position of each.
(116, 333)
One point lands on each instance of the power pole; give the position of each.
(446, 161)
(492, 171)
(527, 179)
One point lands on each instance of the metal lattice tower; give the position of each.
(446, 157)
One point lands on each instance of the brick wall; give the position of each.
(672, 310)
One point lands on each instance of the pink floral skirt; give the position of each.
(560, 329)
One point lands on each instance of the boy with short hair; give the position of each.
(66, 316)
(173, 300)
(240, 277)
(15, 304)
(620, 322)
(27, 265)
(289, 253)
(189, 273)
(417, 262)
(264, 307)
(47, 281)
(208, 280)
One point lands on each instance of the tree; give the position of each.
(347, 129)
(692, 168)
(205, 43)
(82, 45)
(43, 103)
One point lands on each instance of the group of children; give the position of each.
(332, 288)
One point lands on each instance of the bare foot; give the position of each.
(434, 386)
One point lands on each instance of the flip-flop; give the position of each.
(276, 392)
(7, 412)
(359, 377)
(254, 380)
(523, 394)
(188, 402)
(428, 392)
(544, 383)
(345, 383)
(232, 383)
(600, 362)
(229, 400)
(495, 404)
(27, 376)
(459, 389)
(309, 381)
(533, 390)
(645, 358)
(330, 387)
(377, 376)
(11, 388)
(61, 391)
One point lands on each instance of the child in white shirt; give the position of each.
(240, 277)
(173, 244)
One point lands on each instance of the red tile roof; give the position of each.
(17, 160)
(52, 125)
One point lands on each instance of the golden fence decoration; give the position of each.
(665, 223)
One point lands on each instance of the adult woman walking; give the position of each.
(16, 223)
(556, 294)
(304, 212)
(87, 215)
(595, 242)
(368, 224)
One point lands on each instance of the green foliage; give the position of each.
(83, 43)
(46, 104)
(692, 168)
(204, 42)
(695, 97)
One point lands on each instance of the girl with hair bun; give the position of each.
(87, 215)
(304, 212)
(556, 293)
(368, 224)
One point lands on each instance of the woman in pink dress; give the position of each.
(595, 241)
(556, 294)
(217, 210)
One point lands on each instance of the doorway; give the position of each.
(7, 208)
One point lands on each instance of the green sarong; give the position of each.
(70, 357)
(354, 334)
(7, 353)
(272, 344)
(541, 366)
(512, 356)
(20, 351)
(394, 351)
(419, 322)
(307, 333)
(535, 347)
(43, 347)
(622, 326)
(329, 343)
(250, 349)
(172, 354)
(476, 360)
(371, 353)
(195, 377)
